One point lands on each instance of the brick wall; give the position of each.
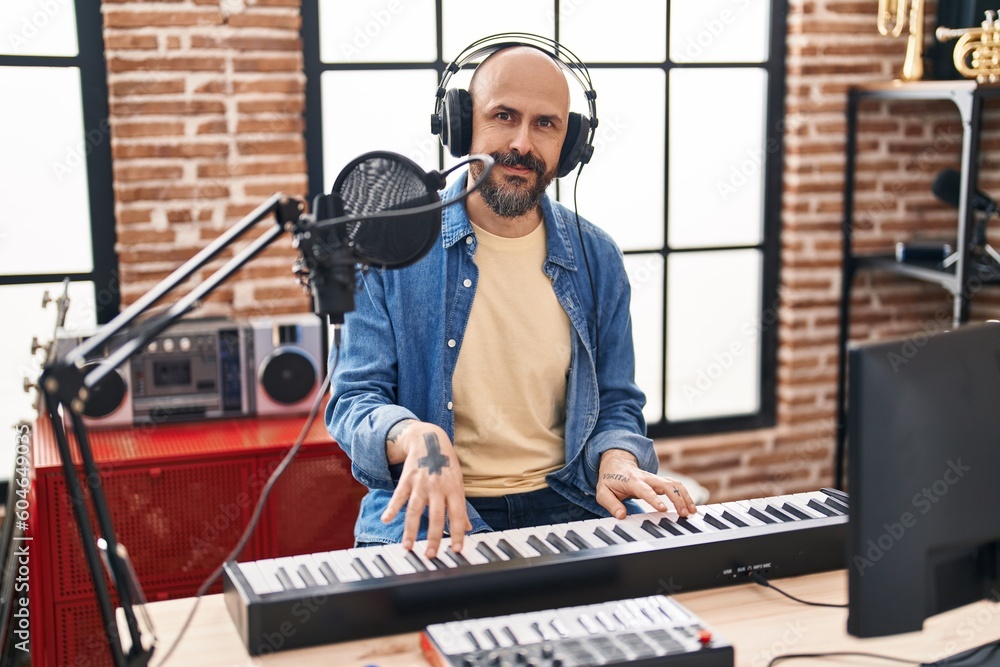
(833, 44)
(206, 110)
(206, 106)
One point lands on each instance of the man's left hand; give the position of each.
(620, 478)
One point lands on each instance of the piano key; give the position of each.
(518, 539)
(286, 566)
(452, 558)
(284, 579)
(327, 572)
(540, 546)
(577, 540)
(341, 564)
(837, 494)
(493, 540)
(487, 551)
(761, 516)
(307, 570)
(711, 519)
(731, 518)
(560, 627)
(396, 555)
(307, 577)
(469, 549)
(508, 549)
(741, 510)
(558, 543)
(653, 529)
(258, 582)
(788, 508)
(666, 524)
(822, 509)
(688, 525)
(416, 561)
(588, 623)
(383, 565)
(608, 622)
(363, 558)
(620, 531)
(492, 637)
(602, 533)
(837, 505)
(778, 514)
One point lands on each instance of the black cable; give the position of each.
(839, 654)
(259, 508)
(760, 579)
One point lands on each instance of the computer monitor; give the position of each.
(924, 477)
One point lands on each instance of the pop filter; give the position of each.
(379, 182)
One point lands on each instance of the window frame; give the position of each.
(769, 247)
(90, 61)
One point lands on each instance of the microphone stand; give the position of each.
(979, 238)
(66, 389)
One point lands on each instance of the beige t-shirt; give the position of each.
(510, 378)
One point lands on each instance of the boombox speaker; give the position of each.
(289, 363)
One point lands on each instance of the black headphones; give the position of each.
(452, 117)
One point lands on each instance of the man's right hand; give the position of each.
(432, 478)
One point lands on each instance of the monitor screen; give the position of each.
(923, 476)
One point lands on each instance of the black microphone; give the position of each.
(947, 187)
(383, 211)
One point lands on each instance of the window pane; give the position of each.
(640, 23)
(377, 110)
(466, 21)
(621, 189)
(38, 28)
(645, 274)
(716, 188)
(43, 173)
(713, 342)
(371, 31)
(713, 31)
(15, 339)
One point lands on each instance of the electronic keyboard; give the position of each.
(319, 598)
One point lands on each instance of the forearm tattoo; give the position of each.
(435, 460)
(620, 478)
(396, 429)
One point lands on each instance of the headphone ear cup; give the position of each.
(575, 148)
(456, 122)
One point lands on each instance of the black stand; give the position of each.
(66, 389)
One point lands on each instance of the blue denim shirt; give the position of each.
(400, 345)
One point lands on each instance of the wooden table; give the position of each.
(759, 622)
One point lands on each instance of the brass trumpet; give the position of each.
(892, 19)
(977, 51)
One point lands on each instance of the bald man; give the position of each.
(473, 391)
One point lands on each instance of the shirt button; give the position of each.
(468, 240)
(451, 405)
(451, 342)
(467, 282)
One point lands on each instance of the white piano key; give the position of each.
(367, 557)
(258, 582)
(340, 561)
(396, 557)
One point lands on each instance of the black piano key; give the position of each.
(488, 553)
(508, 548)
(492, 637)
(778, 514)
(327, 571)
(837, 494)
(669, 526)
(622, 533)
(731, 518)
(511, 636)
(559, 543)
(475, 642)
(716, 522)
(456, 557)
(439, 564)
(284, 579)
(837, 505)
(416, 561)
(307, 576)
(687, 525)
(538, 545)
(605, 536)
(383, 565)
(577, 541)
(653, 529)
(821, 508)
(760, 516)
(361, 569)
(794, 511)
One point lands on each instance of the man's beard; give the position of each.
(505, 194)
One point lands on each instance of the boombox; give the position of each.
(211, 368)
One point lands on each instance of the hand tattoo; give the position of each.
(620, 478)
(434, 460)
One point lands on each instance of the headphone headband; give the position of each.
(452, 109)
